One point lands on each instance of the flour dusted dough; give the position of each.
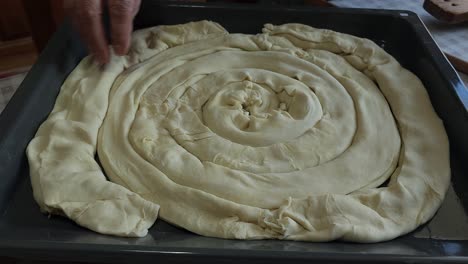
(285, 134)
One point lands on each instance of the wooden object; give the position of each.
(42, 20)
(451, 11)
(17, 50)
(459, 64)
(13, 21)
(16, 55)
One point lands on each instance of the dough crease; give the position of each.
(286, 134)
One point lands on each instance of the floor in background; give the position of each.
(451, 38)
(8, 86)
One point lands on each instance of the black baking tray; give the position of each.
(26, 233)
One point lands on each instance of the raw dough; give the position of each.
(285, 134)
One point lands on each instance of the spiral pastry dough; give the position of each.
(288, 134)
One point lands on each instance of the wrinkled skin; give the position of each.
(87, 18)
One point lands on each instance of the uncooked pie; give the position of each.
(287, 134)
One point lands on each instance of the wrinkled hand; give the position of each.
(87, 18)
